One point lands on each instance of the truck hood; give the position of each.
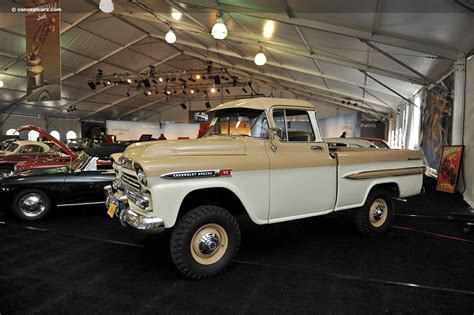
(209, 146)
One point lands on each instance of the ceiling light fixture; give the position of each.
(198, 76)
(219, 30)
(176, 14)
(1, 84)
(106, 6)
(260, 58)
(213, 90)
(129, 81)
(192, 91)
(170, 36)
(268, 29)
(160, 79)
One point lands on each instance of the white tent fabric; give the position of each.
(316, 51)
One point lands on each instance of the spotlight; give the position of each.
(268, 29)
(91, 85)
(213, 90)
(183, 106)
(260, 59)
(227, 90)
(243, 89)
(208, 105)
(192, 91)
(1, 84)
(198, 76)
(129, 81)
(160, 79)
(219, 30)
(106, 6)
(170, 36)
(108, 82)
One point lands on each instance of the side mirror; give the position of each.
(277, 132)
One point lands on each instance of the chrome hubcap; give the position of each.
(378, 212)
(209, 244)
(32, 205)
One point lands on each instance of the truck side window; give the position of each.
(279, 119)
(295, 125)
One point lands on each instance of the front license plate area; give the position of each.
(111, 210)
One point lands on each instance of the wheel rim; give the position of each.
(378, 212)
(209, 244)
(32, 205)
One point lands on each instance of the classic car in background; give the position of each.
(102, 152)
(5, 143)
(34, 151)
(379, 143)
(32, 194)
(78, 145)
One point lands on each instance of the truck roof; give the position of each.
(264, 103)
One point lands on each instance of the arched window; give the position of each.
(71, 135)
(56, 134)
(33, 135)
(12, 132)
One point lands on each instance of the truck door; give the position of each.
(302, 173)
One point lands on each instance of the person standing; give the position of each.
(162, 137)
(343, 135)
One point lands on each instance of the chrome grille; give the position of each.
(131, 180)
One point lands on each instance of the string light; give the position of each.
(106, 6)
(170, 36)
(219, 30)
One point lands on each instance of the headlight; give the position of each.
(141, 176)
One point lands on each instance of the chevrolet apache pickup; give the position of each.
(262, 157)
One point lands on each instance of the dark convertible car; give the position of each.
(32, 194)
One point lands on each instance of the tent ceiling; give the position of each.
(315, 51)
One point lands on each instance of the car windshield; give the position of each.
(78, 163)
(12, 147)
(381, 144)
(239, 122)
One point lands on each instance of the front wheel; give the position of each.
(205, 242)
(31, 204)
(376, 215)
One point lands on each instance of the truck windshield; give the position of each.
(239, 122)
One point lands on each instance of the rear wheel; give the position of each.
(375, 217)
(204, 242)
(31, 204)
(5, 170)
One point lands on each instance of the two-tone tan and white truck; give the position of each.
(262, 157)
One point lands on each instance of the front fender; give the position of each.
(251, 187)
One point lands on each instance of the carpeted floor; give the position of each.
(80, 261)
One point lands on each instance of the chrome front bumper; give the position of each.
(129, 217)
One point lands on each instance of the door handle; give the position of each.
(316, 147)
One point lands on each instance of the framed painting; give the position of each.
(449, 168)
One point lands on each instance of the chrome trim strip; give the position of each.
(80, 204)
(192, 174)
(386, 173)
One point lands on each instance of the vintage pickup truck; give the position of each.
(262, 157)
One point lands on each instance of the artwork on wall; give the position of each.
(436, 122)
(449, 168)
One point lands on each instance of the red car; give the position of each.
(379, 143)
(34, 152)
